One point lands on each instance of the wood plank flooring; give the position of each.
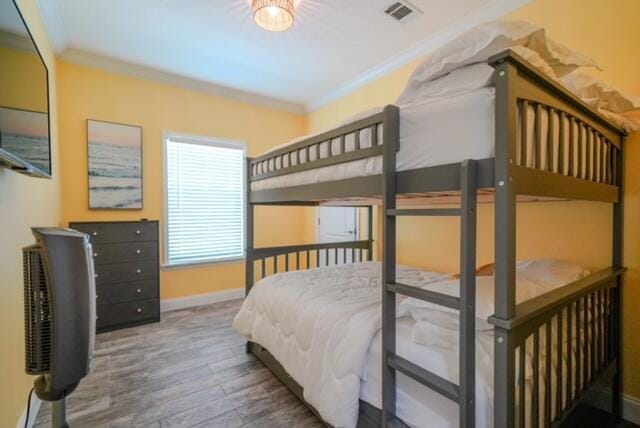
(189, 370)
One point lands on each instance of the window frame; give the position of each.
(204, 141)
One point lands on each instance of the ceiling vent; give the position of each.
(402, 11)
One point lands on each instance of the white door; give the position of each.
(337, 224)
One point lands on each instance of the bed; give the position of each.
(481, 118)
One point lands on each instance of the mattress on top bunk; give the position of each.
(323, 325)
(448, 121)
(436, 131)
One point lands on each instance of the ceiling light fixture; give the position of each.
(273, 15)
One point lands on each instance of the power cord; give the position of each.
(26, 417)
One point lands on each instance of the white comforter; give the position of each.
(326, 343)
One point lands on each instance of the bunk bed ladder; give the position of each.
(464, 392)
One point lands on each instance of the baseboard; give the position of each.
(631, 409)
(33, 412)
(167, 305)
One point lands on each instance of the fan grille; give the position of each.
(37, 314)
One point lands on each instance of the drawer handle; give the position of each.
(95, 254)
(138, 270)
(138, 291)
(139, 310)
(137, 232)
(138, 251)
(95, 233)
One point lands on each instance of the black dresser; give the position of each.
(125, 256)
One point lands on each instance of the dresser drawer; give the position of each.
(126, 272)
(126, 292)
(102, 233)
(127, 252)
(124, 314)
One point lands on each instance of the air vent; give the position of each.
(402, 11)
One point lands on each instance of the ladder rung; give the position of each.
(434, 212)
(426, 295)
(424, 376)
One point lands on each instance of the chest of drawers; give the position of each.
(126, 261)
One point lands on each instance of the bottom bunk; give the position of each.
(318, 330)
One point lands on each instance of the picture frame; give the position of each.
(114, 159)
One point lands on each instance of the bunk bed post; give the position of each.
(618, 262)
(468, 229)
(391, 136)
(248, 230)
(370, 232)
(505, 75)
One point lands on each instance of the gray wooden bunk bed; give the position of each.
(596, 354)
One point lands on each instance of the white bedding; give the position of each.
(323, 326)
(320, 324)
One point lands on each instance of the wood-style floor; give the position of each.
(189, 370)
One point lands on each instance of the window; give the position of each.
(204, 188)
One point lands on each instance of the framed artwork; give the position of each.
(115, 165)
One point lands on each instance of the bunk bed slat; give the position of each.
(434, 297)
(561, 137)
(537, 139)
(559, 363)
(425, 377)
(551, 133)
(585, 354)
(433, 212)
(570, 355)
(535, 390)
(522, 349)
(548, 373)
(572, 142)
(524, 131)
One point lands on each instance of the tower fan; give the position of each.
(60, 314)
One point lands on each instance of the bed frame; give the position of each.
(588, 312)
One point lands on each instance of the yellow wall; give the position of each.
(576, 230)
(24, 202)
(96, 94)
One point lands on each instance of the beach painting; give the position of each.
(115, 165)
(25, 134)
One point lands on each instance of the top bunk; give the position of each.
(522, 127)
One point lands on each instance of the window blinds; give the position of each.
(205, 201)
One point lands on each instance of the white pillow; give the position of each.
(488, 39)
(599, 94)
(554, 273)
(465, 79)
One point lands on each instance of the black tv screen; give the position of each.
(25, 144)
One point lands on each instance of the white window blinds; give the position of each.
(205, 201)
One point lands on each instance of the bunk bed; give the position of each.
(578, 156)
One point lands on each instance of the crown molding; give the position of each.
(52, 17)
(496, 9)
(89, 59)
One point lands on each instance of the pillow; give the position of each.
(488, 39)
(554, 273)
(599, 94)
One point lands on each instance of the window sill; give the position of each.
(204, 263)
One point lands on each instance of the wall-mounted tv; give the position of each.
(25, 144)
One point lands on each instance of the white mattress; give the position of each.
(435, 131)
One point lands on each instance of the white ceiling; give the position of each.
(333, 47)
